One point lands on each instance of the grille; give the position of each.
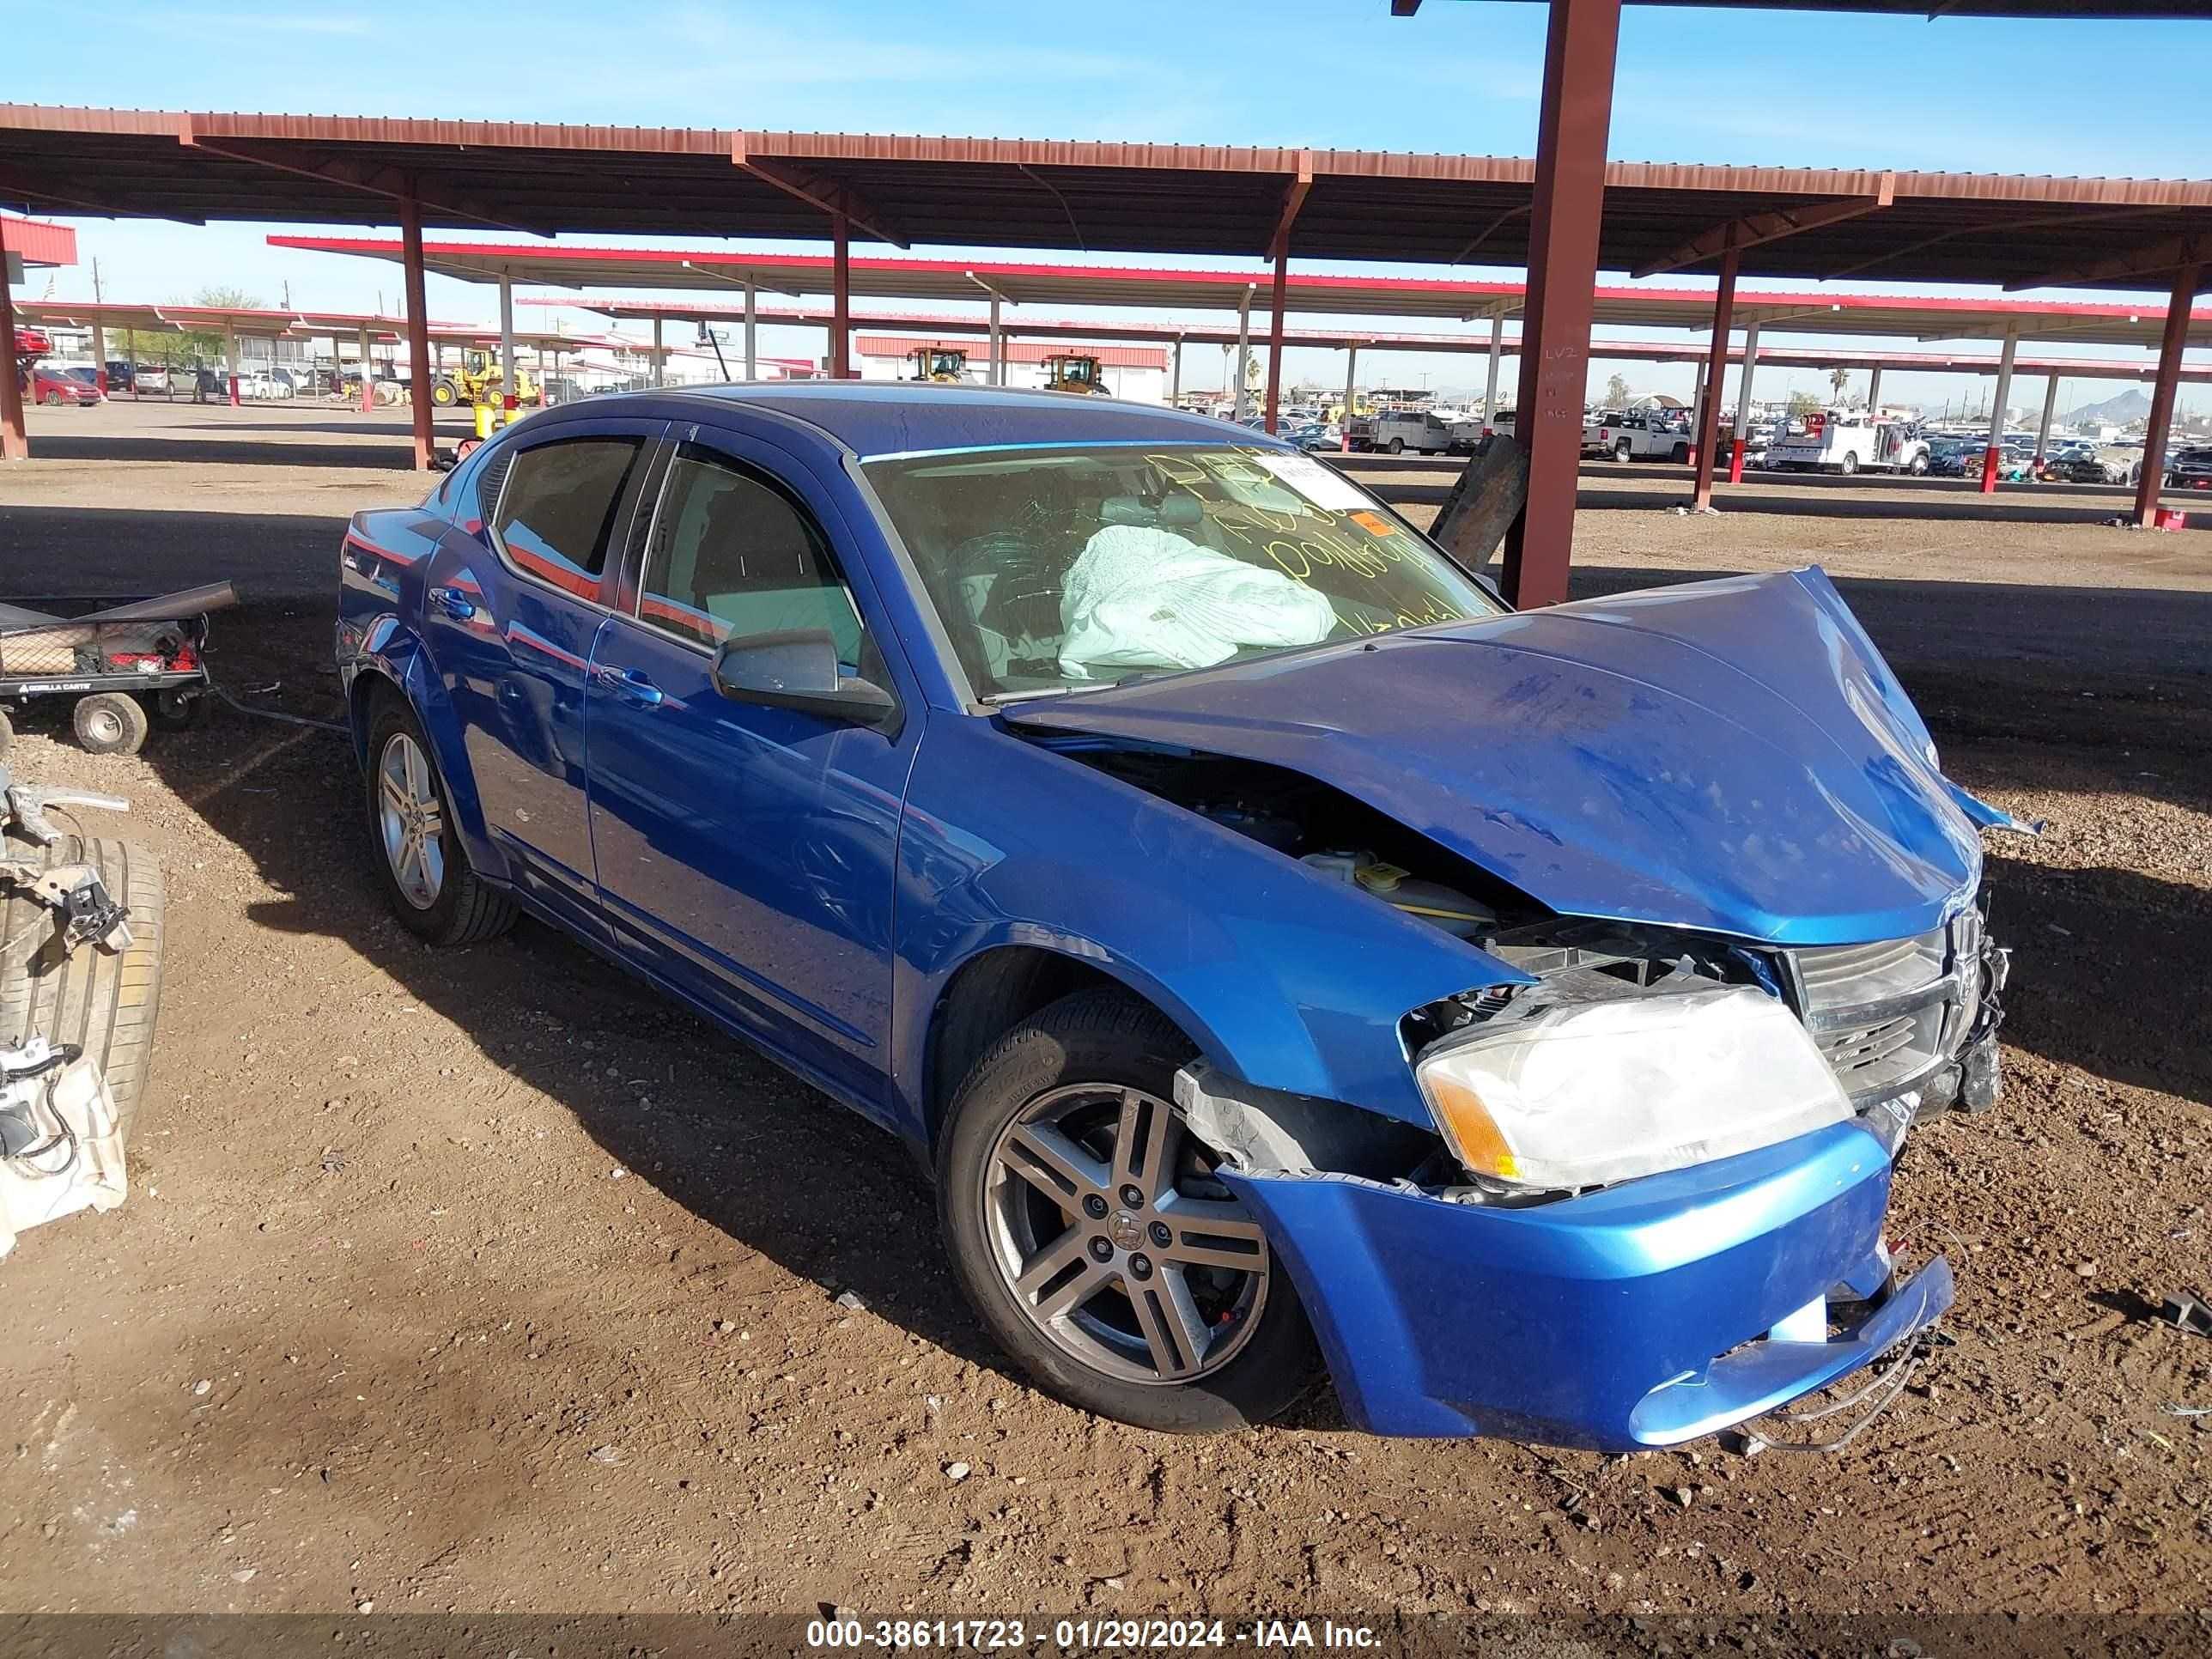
(1887, 1014)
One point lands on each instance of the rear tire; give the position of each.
(1397, 446)
(1621, 452)
(110, 723)
(1680, 454)
(1851, 463)
(458, 906)
(104, 1002)
(1108, 1045)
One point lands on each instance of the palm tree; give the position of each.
(1839, 381)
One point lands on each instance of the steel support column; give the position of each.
(2049, 408)
(841, 298)
(1997, 410)
(1740, 434)
(418, 328)
(509, 400)
(998, 374)
(15, 443)
(1714, 372)
(1497, 352)
(752, 327)
(1350, 369)
(99, 356)
(1873, 394)
(1175, 373)
(1275, 338)
(367, 378)
(230, 359)
(2186, 281)
(1555, 332)
(659, 358)
(1243, 351)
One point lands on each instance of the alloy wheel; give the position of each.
(1113, 1235)
(411, 820)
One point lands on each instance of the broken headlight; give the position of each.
(1572, 1087)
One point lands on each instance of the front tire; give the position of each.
(424, 869)
(1919, 467)
(1087, 1227)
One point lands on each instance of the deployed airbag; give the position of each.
(1143, 598)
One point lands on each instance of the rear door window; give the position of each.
(558, 508)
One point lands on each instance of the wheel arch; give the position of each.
(397, 667)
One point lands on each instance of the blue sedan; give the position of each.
(1284, 956)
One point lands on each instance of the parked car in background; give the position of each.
(1277, 961)
(121, 376)
(1955, 458)
(2189, 468)
(150, 379)
(59, 388)
(1640, 435)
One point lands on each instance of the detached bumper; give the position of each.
(1636, 1316)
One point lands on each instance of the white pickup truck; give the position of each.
(1642, 435)
(1836, 443)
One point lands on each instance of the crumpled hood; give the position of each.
(1733, 755)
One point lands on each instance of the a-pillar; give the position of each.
(367, 378)
(418, 328)
(510, 400)
(2186, 282)
(1712, 374)
(1990, 456)
(1497, 352)
(1743, 434)
(660, 359)
(230, 358)
(1873, 394)
(1350, 369)
(15, 444)
(841, 298)
(1555, 332)
(1275, 338)
(99, 357)
(752, 327)
(2049, 410)
(1244, 351)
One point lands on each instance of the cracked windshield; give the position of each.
(1058, 569)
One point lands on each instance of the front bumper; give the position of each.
(1635, 1316)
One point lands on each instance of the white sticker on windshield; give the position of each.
(1317, 483)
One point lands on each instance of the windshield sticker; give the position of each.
(1317, 483)
(1373, 523)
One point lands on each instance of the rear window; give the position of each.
(558, 509)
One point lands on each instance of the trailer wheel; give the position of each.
(175, 708)
(104, 1002)
(110, 723)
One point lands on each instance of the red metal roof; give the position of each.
(36, 242)
(1813, 311)
(1003, 192)
(1016, 351)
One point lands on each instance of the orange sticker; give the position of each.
(1373, 523)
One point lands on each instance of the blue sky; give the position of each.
(1774, 88)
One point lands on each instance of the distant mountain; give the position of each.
(2133, 404)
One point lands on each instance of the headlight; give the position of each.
(1585, 1092)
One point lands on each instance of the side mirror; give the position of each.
(798, 670)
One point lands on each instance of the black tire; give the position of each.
(52, 400)
(1104, 1037)
(178, 708)
(444, 394)
(110, 723)
(104, 1002)
(1919, 467)
(467, 908)
(1397, 446)
(1623, 452)
(1851, 463)
(1679, 455)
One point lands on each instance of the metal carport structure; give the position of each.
(1178, 199)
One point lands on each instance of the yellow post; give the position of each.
(483, 419)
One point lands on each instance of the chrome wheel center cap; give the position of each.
(1126, 1231)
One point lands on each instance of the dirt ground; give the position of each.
(487, 1280)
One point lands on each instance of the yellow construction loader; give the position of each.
(945, 365)
(478, 381)
(1068, 371)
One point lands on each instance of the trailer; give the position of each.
(1837, 441)
(126, 665)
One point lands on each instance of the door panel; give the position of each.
(745, 854)
(512, 636)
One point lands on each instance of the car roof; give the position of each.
(902, 416)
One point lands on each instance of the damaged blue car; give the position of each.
(1285, 957)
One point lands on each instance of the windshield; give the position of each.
(1053, 569)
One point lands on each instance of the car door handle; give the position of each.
(632, 685)
(452, 602)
